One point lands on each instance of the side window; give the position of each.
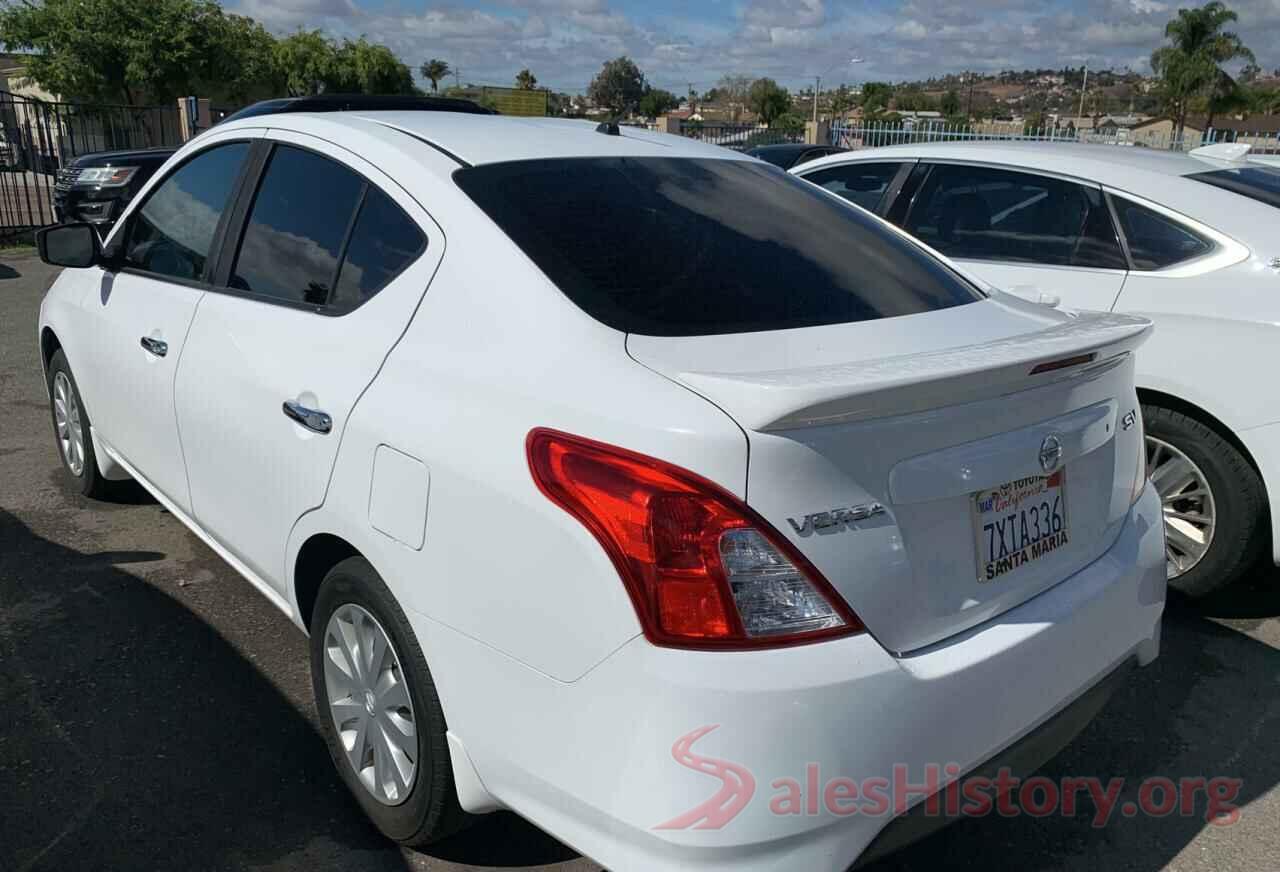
(860, 183)
(1156, 242)
(293, 239)
(172, 233)
(999, 215)
(383, 242)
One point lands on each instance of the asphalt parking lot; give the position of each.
(157, 712)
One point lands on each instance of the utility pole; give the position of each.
(457, 78)
(1084, 86)
(817, 83)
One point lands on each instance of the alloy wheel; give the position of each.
(369, 701)
(66, 418)
(1187, 502)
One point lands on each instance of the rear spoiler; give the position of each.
(814, 396)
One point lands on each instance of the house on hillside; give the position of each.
(1260, 131)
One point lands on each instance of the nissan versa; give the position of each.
(613, 474)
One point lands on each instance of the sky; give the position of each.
(564, 42)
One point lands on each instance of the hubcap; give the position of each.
(66, 419)
(1189, 515)
(370, 704)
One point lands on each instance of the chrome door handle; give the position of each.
(312, 419)
(158, 347)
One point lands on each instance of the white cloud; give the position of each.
(912, 30)
(564, 42)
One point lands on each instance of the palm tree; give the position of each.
(525, 80)
(434, 70)
(1190, 65)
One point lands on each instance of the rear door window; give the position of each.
(684, 247)
(981, 213)
(383, 242)
(297, 225)
(1155, 241)
(864, 184)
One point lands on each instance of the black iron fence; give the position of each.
(38, 138)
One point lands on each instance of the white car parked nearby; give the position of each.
(566, 443)
(1191, 241)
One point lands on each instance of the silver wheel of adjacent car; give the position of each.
(1187, 501)
(369, 701)
(66, 418)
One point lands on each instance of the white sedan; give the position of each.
(1189, 241)
(614, 477)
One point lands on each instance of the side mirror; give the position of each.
(73, 245)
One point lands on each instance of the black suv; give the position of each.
(97, 187)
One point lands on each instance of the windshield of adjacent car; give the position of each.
(689, 247)
(1255, 182)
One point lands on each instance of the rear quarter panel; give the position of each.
(493, 352)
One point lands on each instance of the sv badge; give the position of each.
(835, 520)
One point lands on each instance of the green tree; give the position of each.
(433, 71)
(789, 123)
(950, 104)
(768, 99)
(841, 100)
(134, 52)
(525, 80)
(1190, 64)
(363, 67)
(304, 62)
(875, 98)
(618, 86)
(657, 101)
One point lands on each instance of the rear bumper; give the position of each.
(1020, 759)
(600, 762)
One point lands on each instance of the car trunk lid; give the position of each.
(883, 449)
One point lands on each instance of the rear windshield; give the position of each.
(1256, 183)
(684, 247)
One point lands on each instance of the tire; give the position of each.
(1238, 504)
(429, 810)
(65, 402)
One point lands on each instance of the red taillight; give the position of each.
(702, 569)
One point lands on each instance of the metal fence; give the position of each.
(739, 136)
(874, 134)
(38, 138)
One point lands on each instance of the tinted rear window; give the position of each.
(1256, 183)
(682, 247)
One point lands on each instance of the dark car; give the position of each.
(792, 154)
(97, 187)
(362, 102)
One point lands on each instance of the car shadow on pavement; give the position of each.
(134, 736)
(1209, 706)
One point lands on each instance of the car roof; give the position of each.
(1113, 165)
(482, 139)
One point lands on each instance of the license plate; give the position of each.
(1018, 523)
